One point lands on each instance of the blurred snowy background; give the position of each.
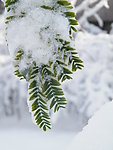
(86, 93)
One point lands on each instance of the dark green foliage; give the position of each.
(45, 80)
(46, 7)
(10, 2)
(39, 106)
(53, 92)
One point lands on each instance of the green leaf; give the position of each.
(67, 71)
(46, 7)
(33, 84)
(66, 77)
(73, 22)
(74, 29)
(70, 14)
(64, 3)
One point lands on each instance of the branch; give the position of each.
(92, 11)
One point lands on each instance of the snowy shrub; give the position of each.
(12, 92)
(40, 41)
(90, 8)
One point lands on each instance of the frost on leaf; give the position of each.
(39, 37)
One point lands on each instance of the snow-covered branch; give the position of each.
(90, 8)
(92, 11)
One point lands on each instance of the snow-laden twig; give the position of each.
(98, 18)
(85, 4)
(91, 11)
(87, 9)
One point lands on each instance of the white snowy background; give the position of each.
(89, 90)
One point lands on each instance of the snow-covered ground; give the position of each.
(98, 134)
(27, 139)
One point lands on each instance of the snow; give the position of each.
(3, 47)
(27, 139)
(98, 134)
(36, 32)
(2, 20)
(3, 60)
